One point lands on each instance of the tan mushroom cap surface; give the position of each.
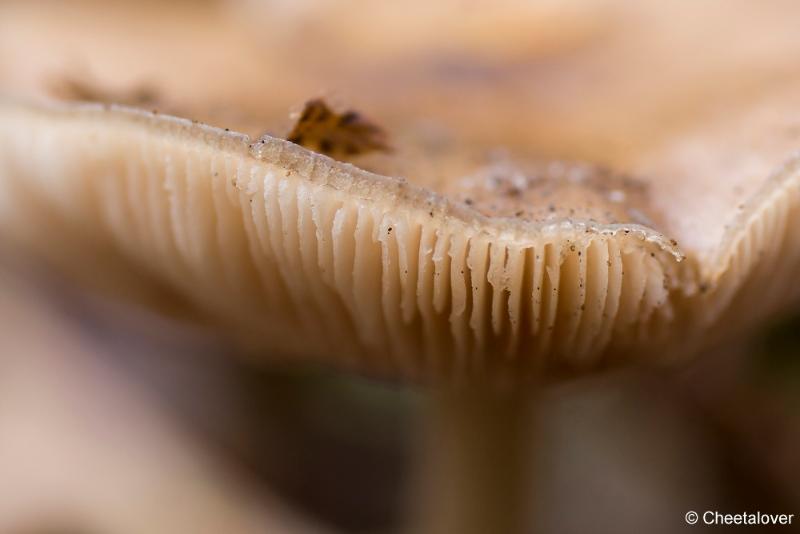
(594, 201)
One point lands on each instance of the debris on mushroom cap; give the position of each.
(553, 190)
(73, 89)
(339, 135)
(315, 258)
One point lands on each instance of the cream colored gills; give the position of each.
(317, 259)
(597, 277)
(478, 264)
(312, 266)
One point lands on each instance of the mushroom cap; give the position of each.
(306, 256)
(518, 262)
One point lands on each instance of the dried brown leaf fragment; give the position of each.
(339, 135)
(82, 90)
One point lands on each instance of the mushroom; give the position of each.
(488, 271)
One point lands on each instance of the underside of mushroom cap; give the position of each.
(304, 257)
(599, 181)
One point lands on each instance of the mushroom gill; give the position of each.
(501, 253)
(308, 257)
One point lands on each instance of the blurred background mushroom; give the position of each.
(568, 209)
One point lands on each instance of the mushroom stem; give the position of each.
(475, 464)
